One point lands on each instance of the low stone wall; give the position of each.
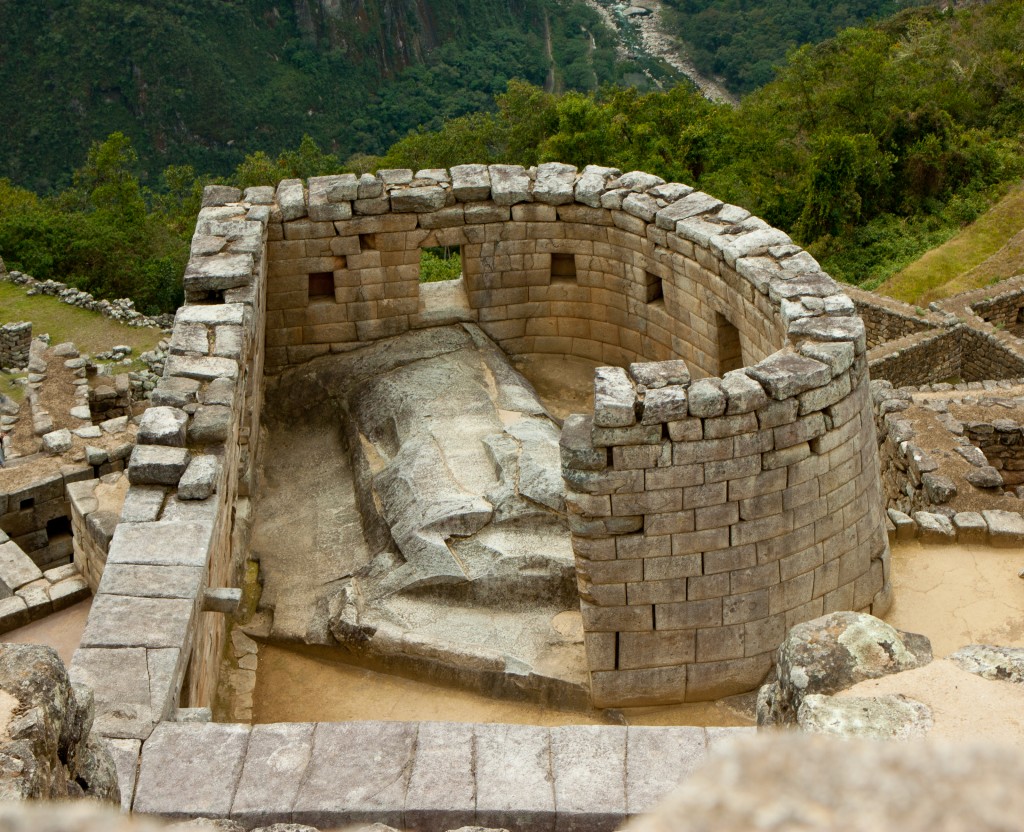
(15, 343)
(1003, 308)
(35, 514)
(1002, 443)
(423, 776)
(886, 319)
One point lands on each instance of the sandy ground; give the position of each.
(958, 595)
(297, 686)
(564, 383)
(62, 630)
(965, 707)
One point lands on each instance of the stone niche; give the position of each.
(726, 486)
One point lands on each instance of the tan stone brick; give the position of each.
(603, 595)
(764, 635)
(719, 643)
(800, 562)
(594, 548)
(307, 229)
(826, 578)
(674, 566)
(800, 495)
(805, 612)
(703, 587)
(636, 688)
(777, 548)
(284, 337)
(700, 541)
(632, 546)
(674, 522)
(591, 505)
(306, 352)
(328, 333)
(384, 328)
(754, 577)
(802, 430)
(706, 450)
(630, 457)
(752, 531)
(788, 595)
(714, 680)
(731, 469)
(611, 571)
(785, 457)
(657, 649)
(714, 517)
(701, 496)
(686, 430)
(751, 606)
(344, 246)
(722, 426)
(656, 592)
(757, 485)
(688, 615)
(616, 619)
(732, 558)
(655, 502)
(600, 649)
(677, 476)
(838, 600)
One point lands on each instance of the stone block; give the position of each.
(219, 272)
(1005, 528)
(200, 478)
(638, 688)
(510, 184)
(163, 426)
(144, 581)
(614, 398)
(514, 791)
(657, 374)
(664, 404)
(275, 763)
(157, 465)
(191, 770)
(125, 621)
(588, 765)
(785, 375)
(16, 568)
(442, 785)
(934, 528)
(970, 527)
(555, 183)
(358, 773)
(163, 543)
(661, 648)
(707, 398)
(657, 760)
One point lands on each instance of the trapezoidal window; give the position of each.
(563, 268)
(655, 289)
(321, 286)
(730, 353)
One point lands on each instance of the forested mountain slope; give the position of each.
(203, 82)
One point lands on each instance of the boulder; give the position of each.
(869, 717)
(48, 750)
(989, 662)
(831, 653)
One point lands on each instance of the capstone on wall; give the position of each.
(726, 486)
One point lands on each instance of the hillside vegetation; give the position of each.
(743, 41)
(869, 149)
(203, 82)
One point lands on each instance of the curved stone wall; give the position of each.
(708, 516)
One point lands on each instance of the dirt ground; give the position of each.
(61, 630)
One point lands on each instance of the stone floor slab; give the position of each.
(125, 621)
(144, 581)
(358, 773)
(442, 786)
(161, 543)
(275, 765)
(191, 770)
(513, 778)
(657, 760)
(589, 768)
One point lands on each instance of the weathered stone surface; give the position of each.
(124, 621)
(588, 766)
(510, 184)
(938, 488)
(277, 754)
(157, 465)
(990, 662)
(164, 543)
(442, 785)
(785, 374)
(48, 750)
(873, 717)
(219, 272)
(985, 477)
(819, 783)
(655, 374)
(638, 180)
(471, 183)
(744, 394)
(418, 200)
(163, 426)
(577, 450)
(592, 183)
(555, 183)
(614, 398)
(664, 404)
(16, 568)
(832, 653)
(200, 478)
(57, 441)
(707, 398)
(934, 528)
(291, 199)
(341, 787)
(216, 195)
(1005, 528)
(210, 425)
(657, 759)
(514, 791)
(190, 770)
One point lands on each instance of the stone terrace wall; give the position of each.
(707, 518)
(922, 358)
(886, 319)
(1004, 309)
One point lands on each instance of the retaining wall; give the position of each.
(15, 343)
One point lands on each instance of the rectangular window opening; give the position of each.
(563, 268)
(321, 286)
(27, 503)
(440, 263)
(367, 242)
(58, 527)
(655, 289)
(730, 351)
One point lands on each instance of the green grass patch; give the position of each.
(442, 263)
(988, 250)
(91, 332)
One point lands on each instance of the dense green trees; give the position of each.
(744, 41)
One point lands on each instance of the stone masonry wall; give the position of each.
(707, 516)
(15, 343)
(886, 319)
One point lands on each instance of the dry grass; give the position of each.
(988, 250)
